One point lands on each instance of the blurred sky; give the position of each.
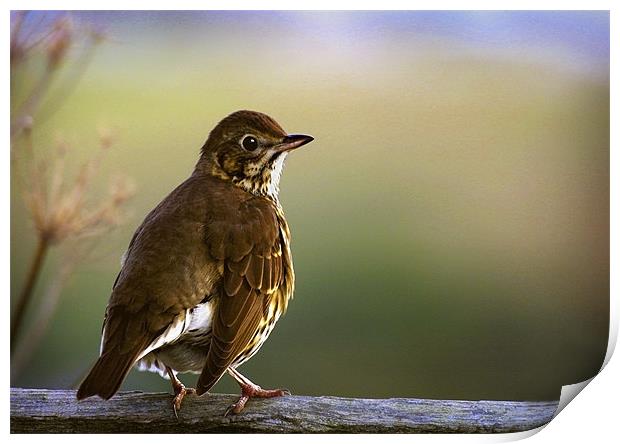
(581, 37)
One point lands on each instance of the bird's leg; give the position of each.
(250, 390)
(179, 391)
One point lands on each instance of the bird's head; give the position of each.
(248, 148)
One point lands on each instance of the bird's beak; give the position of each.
(293, 141)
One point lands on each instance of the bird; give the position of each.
(209, 271)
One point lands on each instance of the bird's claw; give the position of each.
(180, 393)
(238, 406)
(229, 410)
(253, 392)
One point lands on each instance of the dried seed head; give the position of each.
(25, 122)
(97, 35)
(59, 208)
(106, 137)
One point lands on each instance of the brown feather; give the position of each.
(168, 268)
(232, 282)
(267, 275)
(238, 317)
(255, 272)
(240, 267)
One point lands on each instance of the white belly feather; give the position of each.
(193, 322)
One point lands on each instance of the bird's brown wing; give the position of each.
(251, 252)
(167, 272)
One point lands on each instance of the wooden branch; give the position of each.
(57, 411)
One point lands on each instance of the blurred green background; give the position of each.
(450, 222)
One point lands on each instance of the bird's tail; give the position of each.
(106, 376)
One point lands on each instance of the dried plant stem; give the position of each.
(63, 211)
(43, 315)
(26, 294)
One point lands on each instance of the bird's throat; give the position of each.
(266, 182)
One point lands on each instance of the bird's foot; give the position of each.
(253, 391)
(179, 393)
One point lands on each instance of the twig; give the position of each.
(26, 294)
(43, 315)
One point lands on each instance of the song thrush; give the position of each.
(209, 272)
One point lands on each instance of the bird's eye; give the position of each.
(250, 143)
